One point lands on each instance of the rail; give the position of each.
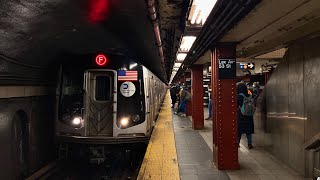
(44, 172)
(313, 143)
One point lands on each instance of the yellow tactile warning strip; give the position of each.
(160, 161)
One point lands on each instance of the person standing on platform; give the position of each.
(245, 122)
(185, 96)
(256, 91)
(173, 93)
(209, 104)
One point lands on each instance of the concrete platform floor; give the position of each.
(176, 151)
(255, 164)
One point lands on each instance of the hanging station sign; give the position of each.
(227, 68)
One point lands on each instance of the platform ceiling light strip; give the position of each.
(186, 43)
(177, 65)
(175, 69)
(181, 56)
(200, 11)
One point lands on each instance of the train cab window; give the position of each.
(103, 88)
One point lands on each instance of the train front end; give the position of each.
(101, 102)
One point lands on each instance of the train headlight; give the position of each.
(124, 121)
(76, 121)
(136, 118)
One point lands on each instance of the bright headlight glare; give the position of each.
(124, 121)
(76, 121)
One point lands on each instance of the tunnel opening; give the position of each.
(20, 145)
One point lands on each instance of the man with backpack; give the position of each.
(185, 96)
(246, 108)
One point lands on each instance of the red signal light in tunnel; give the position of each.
(98, 10)
(101, 60)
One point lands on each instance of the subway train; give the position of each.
(105, 99)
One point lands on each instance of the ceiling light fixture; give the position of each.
(200, 11)
(186, 43)
(175, 69)
(177, 65)
(181, 56)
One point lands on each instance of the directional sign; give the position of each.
(246, 65)
(251, 65)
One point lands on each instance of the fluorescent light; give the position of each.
(186, 43)
(200, 11)
(177, 65)
(175, 69)
(181, 56)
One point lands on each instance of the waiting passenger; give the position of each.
(256, 91)
(185, 96)
(210, 103)
(173, 93)
(245, 113)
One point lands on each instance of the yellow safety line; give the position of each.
(160, 161)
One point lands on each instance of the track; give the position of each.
(123, 165)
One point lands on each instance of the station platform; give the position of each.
(176, 151)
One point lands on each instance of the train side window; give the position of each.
(103, 88)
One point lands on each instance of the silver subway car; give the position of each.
(112, 102)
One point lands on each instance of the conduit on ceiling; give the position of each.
(153, 17)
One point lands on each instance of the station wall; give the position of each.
(40, 135)
(288, 110)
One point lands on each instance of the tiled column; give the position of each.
(197, 97)
(225, 127)
(189, 104)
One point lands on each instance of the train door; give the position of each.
(152, 103)
(147, 102)
(100, 99)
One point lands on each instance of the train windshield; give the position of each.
(103, 88)
(72, 91)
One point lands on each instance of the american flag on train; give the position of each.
(124, 75)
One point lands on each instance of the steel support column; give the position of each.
(197, 97)
(224, 102)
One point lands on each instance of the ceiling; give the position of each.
(35, 32)
(172, 24)
(274, 24)
(261, 32)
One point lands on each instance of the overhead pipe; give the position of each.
(154, 19)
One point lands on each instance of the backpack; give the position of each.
(248, 105)
(188, 96)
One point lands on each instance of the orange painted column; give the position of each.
(224, 104)
(197, 97)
